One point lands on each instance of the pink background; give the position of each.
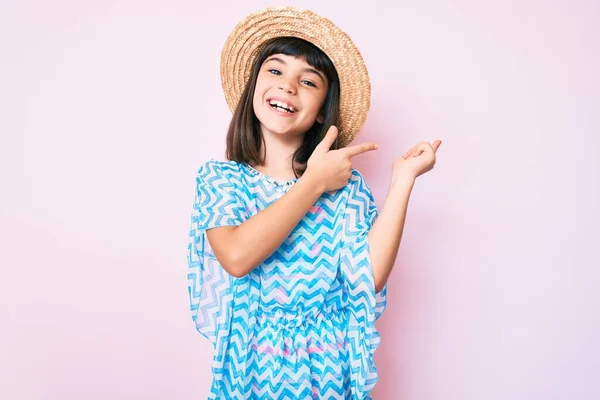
(109, 107)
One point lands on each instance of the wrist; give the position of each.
(314, 182)
(402, 179)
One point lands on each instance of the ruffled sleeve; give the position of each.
(210, 287)
(364, 305)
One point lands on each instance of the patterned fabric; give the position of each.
(301, 325)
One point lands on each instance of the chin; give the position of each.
(279, 131)
(277, 127)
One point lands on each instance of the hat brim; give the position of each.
(242, 46)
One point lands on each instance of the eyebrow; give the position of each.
(311, 70)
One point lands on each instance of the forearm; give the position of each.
(386, 233)
(258, 237)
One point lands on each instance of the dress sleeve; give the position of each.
(364, 305)
(210, 287)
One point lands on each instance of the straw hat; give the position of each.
(244, 42)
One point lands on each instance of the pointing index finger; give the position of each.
(357, 149)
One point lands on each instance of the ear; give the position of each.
(320, 118)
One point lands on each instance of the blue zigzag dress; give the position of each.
(301, 325)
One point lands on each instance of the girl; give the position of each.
(288, 259)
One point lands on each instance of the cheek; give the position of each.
(316, 103)
(257, 97)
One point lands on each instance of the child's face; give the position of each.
(293, 81)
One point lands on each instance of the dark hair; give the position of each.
(244, 136)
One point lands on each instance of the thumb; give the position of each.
(328, 140)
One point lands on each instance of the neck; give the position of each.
(277, 155)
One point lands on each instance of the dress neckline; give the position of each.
(267, 178)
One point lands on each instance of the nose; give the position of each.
(286, 86)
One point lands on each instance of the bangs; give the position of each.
(296, 47)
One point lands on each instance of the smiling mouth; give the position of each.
(280, 107)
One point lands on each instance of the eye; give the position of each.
(274, 71)
(309, 83)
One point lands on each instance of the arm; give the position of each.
(240, 248)
(386, 233)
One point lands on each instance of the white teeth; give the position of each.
(282, 104)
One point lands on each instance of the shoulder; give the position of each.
(357, 176)
(357, 182)
(219, 170)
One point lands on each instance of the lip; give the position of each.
(276, 111)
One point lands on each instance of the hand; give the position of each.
(333, 168)
(418, 160)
